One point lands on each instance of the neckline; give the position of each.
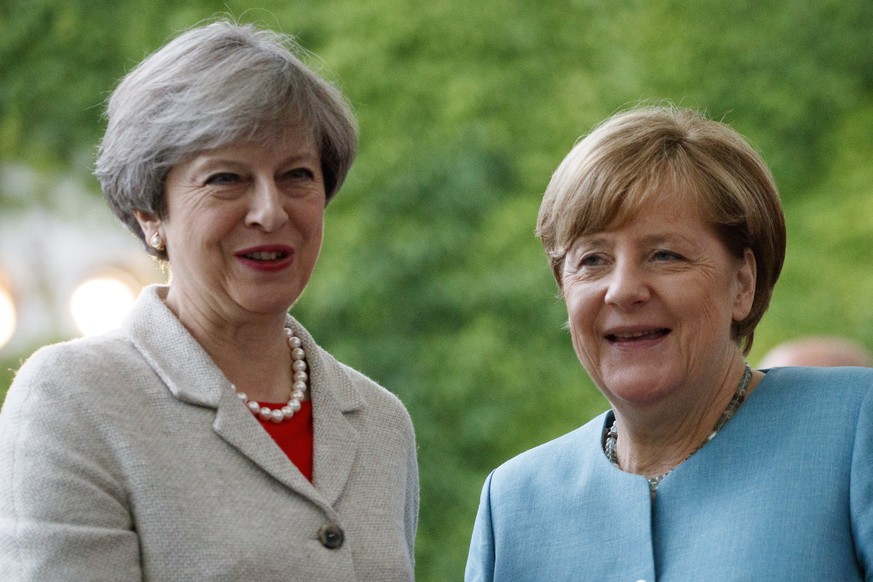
(610, 433)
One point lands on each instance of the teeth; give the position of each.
(261, 256)
(632, 335)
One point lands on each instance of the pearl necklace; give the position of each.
(298, 389)
(609, 446)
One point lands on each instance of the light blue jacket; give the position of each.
(783, 492)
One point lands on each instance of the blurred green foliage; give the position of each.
(431, 280)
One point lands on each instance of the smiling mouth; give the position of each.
(630, 336)
(266, 256)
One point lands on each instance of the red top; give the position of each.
(294, 436)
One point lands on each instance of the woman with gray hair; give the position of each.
(665, 234)
(211, 437)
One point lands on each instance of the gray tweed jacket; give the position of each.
(129, 457)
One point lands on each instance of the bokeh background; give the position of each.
(431, 280)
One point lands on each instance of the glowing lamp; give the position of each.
(100, 303)
(7, 316)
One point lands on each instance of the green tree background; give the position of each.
(431, 280)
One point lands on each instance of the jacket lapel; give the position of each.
(236, 425)
(191, 376)
(335, 402)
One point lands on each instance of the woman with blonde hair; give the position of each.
(665, 234)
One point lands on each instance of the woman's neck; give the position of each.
(653, 442)
(253, 353)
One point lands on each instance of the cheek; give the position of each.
(315, 234)
(210, 225)
(310, 235)
(577, 337)
(580, 314)
(581, 300)
(714, 315)
(310, 221)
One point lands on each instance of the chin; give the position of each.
(268, 305)
(639, 389)
(642, 397)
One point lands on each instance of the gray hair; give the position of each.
(210, 87)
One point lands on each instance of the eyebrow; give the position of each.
(659, 238)
(591, 239)
(207, 160)
(598, 239)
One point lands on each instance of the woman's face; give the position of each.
(651, 303)
(243, 227)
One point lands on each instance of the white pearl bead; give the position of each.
(298, 390)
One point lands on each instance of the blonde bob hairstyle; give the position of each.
(210, 87)
(671, 155)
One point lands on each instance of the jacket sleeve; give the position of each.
(412, 493)
(480, 560)
(63, 510)
(861, 488)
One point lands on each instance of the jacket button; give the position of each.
(331, 536)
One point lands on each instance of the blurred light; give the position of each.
(99, 304)
(7, 316)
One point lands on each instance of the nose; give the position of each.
(627, 285)
(265, 209)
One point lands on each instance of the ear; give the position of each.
(148, 222)
(746, 277)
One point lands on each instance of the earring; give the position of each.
(157, 242)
